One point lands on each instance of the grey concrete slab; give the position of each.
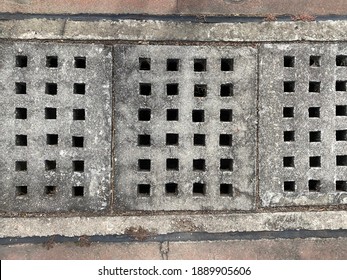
(185, 127)
(156, 30)
(302, 128)
(151, 224)
(55, 124)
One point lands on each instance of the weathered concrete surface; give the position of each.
(150, 30)
(280, 249)
(231, 163)
(58, 174)
(302, 169)
(163, 7)
(163, 224)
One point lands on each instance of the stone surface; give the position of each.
(179, 7)
(151, 224)
(303, 132)
(56, 127)
(262, 7)
(156, 30)
(281, 249)
(185, 127)
(90, 6)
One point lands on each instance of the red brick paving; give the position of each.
(162, 7)
(237, 249)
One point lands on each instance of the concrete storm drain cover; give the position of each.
(303, 124)
(55, 124)
(89, 127)
(185, 121)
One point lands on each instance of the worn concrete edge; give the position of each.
(156, 225)
(155, 30)
(180, 237)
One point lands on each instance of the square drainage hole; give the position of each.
(199, 165)
(144, 114)
(78, 141)
(314, 185)
(51, 61)
(289, 86)
(172, 89)
(144, 140)
(172, 114)
(50, 165)
(50, 190)
(288, 162)
(199, 189)
(289, 186)
(21, 140)
(78, 114)
(78, 191)
(226, 90)
(341, 186)
(225, 140)
(144, 165)
(144, 63)
(341, 160)
(79, 88)
(341, 110)
(226, 164)
(172, 139)
(227, 64)
(288, 112)
(50, 113)
(52, 139)
(21, 190)
(314, 86)
(315, 136)
(21, 166)
(51, 89)
(288, 136)
(314, 112)
(226, 115)
(171, 189)
(199, 140)
(199, 65)
(315, 61)
(21, 61)
(143, 189)
(21, 88)
(80, 62)
(200, 90)
(145, 89)
(78, 165)
(226, 189)
(341, 60)
(172, 64)
(341, 135)
(288, 61)
(315, 161)
(341, 86)
(172, 164)
(21, 113)
(198, 115)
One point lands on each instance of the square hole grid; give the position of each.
(200, 119)
(302, 133)
(41, 112)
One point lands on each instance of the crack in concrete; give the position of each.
(164, 250)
